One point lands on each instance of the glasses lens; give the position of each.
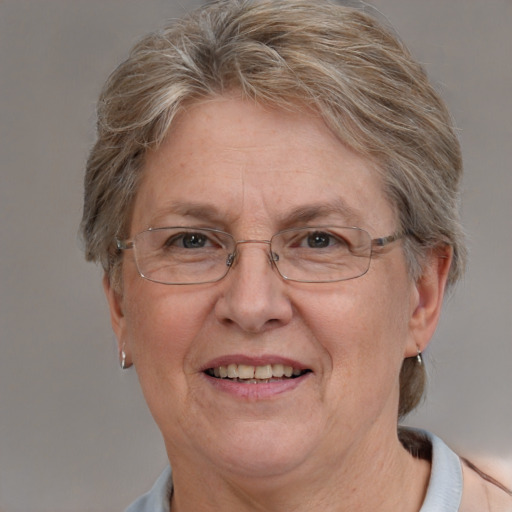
(180, 255)
(322, 254)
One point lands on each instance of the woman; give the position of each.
(273, 196)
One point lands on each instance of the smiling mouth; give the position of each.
(248, 374)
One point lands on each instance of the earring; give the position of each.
(419, 357)
(124, 365)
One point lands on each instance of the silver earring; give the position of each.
(419, 357)
(123, 360)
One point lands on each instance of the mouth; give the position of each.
(249, 374)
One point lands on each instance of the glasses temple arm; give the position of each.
(385, 240)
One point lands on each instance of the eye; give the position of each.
(323, 239)
(192, 240)
(318, 240)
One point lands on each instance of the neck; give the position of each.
(369, 477)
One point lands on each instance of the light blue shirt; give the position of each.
(444, 491)
(158, 499)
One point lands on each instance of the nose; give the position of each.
(254, 296)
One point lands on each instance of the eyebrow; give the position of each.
(307, 213)
(200, 211)
(299, 215)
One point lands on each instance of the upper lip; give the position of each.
(253, 361)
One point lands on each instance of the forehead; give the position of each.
(230, 160)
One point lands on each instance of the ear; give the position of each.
(117, 318)
(428, 299)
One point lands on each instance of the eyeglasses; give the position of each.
(316, 254)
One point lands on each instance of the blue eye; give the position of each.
(323, 239)
(191, 240)
(194, 240)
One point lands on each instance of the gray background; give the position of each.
(75, 434)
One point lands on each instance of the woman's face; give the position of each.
(251, 171)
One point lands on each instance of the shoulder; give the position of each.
(482, 493)
(456, 485)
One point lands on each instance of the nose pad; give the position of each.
(230, 259)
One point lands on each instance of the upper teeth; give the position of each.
(245, 371)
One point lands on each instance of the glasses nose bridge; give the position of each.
(235, 254)
(251, 241)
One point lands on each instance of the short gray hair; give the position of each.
(336, 60)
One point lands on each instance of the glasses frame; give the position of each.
(380, 242)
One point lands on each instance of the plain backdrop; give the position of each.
(75, 434)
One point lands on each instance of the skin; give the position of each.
(329, 442)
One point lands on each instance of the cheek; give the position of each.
(363, 336)
(164, 332)
(354, 319)
(162, 327)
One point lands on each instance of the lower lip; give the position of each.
(256, 391)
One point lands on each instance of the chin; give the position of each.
(262, 448)
(261, 462)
